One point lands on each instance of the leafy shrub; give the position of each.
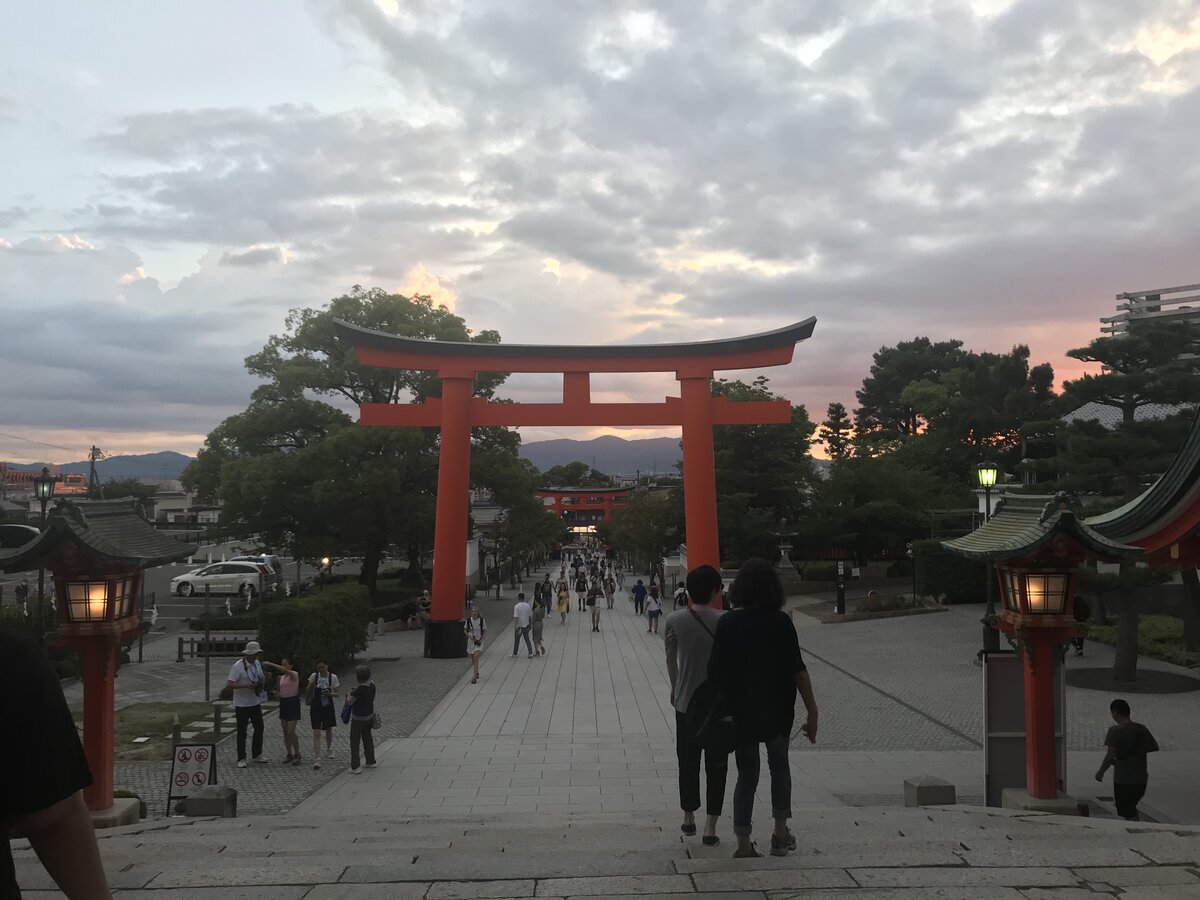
(886, 604)
(329, 625)
(947, 576)
(66, 666)
(1158, 636)
(244, 620)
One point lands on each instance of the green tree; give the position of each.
(574, 474)
(884, 417)
(649, 527)
(118, 488)
(764, 473)
(296, 470)
(1153, 363)
(837, 432)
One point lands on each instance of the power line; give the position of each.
(18, 437)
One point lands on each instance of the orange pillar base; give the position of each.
(96, 659)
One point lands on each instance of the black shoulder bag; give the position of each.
(709, 713)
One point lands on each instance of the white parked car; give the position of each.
(247, 579)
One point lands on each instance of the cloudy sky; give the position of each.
(178, 176)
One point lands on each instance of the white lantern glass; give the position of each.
(87, 601)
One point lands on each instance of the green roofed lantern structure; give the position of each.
(1036, 544)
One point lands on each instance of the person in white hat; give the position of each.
(249, 691)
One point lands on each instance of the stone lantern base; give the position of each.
(124, 811)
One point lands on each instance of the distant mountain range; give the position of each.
(167, 464)
(610, 455)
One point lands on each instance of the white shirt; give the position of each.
(653, 604)
(522, 612)
(243, 671)
(475, 628)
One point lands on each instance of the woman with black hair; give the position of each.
(758, 669)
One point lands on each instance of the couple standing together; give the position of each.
(752, 656)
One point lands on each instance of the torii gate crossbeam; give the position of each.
(457, 364)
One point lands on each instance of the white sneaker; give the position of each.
(241, 764)
(372, 765)
(261, 759)
(357, 771)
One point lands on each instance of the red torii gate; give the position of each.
(457, 411)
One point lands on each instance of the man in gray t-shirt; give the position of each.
(689, 640)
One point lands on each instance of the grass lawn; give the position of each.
(152, 720)
(1160, 637)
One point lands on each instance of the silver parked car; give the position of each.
(245, 578)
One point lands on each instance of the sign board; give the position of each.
(1004, 723)
(193, 766)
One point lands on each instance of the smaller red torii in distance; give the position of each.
(458, 363)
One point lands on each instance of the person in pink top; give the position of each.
(289, 708)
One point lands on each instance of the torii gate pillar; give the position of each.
(457, 411)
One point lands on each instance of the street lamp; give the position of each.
(985, 476)
(43, 490)
(324, 570)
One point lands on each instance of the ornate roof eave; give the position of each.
(1024, 525)
(1175, 492)
(113, 532)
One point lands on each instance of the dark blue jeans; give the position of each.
(748, 766)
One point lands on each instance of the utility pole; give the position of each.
(93, 479)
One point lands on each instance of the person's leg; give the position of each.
(355, 736)
(687, 752)
(243, 720)
(716, 773)
(256, 741)
(528, 643)
(748, 764)
(317, 743)
(781, 792)
(368, 739)
(516, 640)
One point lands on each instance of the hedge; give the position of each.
(947, 576)
(330, 625)
(246, 620)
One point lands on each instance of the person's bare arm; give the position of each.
(672, 642)
(1108, 761)
(63, 838)
(804, 686)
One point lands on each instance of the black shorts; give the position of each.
(323, 718)
(1127, 797)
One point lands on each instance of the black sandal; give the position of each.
(711, 840)
(689, 830)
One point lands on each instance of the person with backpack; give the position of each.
(653, 610)
(321, 692)
(247, 680)
(362, 719)
(689, 635)
(639, 597)
(756, 665)
(1127, 744)
(475, 628)
(680, 597)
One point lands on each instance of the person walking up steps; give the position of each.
(522, 619)
(475, 628)
(322, 690)
(362, 719)
(1127, 744)
(653, 610)
(639, 597)
(689, 635)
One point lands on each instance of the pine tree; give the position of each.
(837, 433)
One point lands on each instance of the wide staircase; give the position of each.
(931, 852)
